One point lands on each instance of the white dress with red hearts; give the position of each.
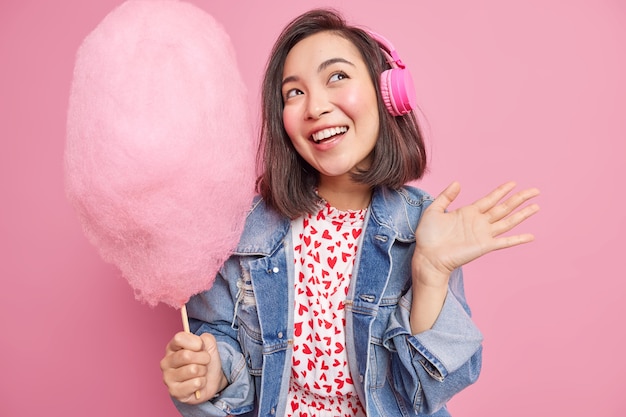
(325, 249)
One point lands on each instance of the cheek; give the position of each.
(351, 97)
(289, 121)
(360, 101)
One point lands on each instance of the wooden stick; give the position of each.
(185, 318)
(183, 313)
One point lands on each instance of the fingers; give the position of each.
(447, 196)
(502, 210)
(508, 223)
(504, 224)
(186, 384)
(487, 202)
(185, 366)
(184, 340)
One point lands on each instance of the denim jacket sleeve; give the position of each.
(211, 312)
(432, 366)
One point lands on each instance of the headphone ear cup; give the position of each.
(386, 93)
(398, 91)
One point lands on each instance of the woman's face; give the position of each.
(331, 111)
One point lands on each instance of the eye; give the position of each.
(292, 93)
(338, 76)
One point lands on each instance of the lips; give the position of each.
(328, 133)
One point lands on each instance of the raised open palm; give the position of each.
(448, 240)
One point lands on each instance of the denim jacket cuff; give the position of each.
(450, 343)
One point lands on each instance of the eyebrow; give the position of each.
(320, 68)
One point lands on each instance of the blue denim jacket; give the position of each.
(395, 373)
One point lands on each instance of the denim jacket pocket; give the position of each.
(252, 348)
(380, 358)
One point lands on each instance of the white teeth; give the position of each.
(326, 133)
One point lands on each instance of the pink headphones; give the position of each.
(396, 84)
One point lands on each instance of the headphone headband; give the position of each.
(396, 84)
(388, 49)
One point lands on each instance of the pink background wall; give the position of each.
(532, 91)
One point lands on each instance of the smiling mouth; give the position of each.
(326, 134)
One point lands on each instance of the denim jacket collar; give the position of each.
(255, 243)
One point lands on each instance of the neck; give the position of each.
(342, 196)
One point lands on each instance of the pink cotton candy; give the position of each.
(159, 159)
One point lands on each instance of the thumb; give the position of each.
(216, 380)
(447, 196)
(210, 346)
(209, 343)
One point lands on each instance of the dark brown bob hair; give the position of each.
(287, 182)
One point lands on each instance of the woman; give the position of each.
(345, 295)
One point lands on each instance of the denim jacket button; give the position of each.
(280, 335)
(275, 270)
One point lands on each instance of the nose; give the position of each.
(318, 104)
